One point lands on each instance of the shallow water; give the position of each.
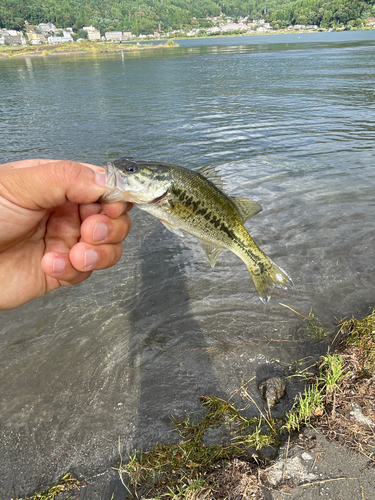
(289, 122)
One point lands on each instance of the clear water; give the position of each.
(290, 122)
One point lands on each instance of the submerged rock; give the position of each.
(272, 389)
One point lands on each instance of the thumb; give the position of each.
(52, 184)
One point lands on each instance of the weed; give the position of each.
(66, 483)
(306, 406)
(185, 463)
(331, 372)
(361, 334)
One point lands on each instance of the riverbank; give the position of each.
(78, 48)
(85, 47)
(324, 445)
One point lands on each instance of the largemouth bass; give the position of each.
(194, 201)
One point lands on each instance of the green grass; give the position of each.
(74, 47)
(179, 466)
(182, 466)
(361, 334)
(320, 392)
(66, 484)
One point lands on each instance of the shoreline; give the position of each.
(87, 47)
(323, 444)
(77, 49)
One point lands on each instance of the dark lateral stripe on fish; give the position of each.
(185, 200)
(218, 223)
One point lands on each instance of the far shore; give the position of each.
(76, 48)
(86, 47)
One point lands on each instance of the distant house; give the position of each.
(127, 35)
(36, 37)
(234, 27)
(113, 36)
(47, 28)
(3, 35)
(16, 40)
(214, 29)
(67, 37)
(12, 37)
(92, 33)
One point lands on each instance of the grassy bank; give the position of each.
(192, 470)
(78, 48)
(338, 400)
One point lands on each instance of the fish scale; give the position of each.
(194, 202)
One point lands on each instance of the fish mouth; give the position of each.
(158, 199)
(112, 177)
(114, 183)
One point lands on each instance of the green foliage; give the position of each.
(362, 336)
(316, 396)
(183, 464)
(66, 483)
(321, 12)
(81, 34)
(145, 16)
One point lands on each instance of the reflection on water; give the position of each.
(290, 123)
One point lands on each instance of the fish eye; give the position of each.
(131, 167)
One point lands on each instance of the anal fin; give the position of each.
(211, 251)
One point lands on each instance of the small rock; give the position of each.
(291, 469)
(359, 416)
(272, 389)
(306, 456)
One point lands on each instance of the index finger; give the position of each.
(36, 162)
(25, 163)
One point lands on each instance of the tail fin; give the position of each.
(267, 279)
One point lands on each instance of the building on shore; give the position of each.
(113, 36)
(36, 37)
(12, 37)
(92, 33)
(118, 36)
(47, 28)
(67, 37)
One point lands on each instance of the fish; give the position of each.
(194, 201)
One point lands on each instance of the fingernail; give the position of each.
(100, 232)
(100, 179)
(91, 258)
(58, 265)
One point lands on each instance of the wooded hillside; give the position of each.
(145, 16)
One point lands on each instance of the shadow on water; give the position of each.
(168, 343)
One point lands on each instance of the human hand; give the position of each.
(52, 230)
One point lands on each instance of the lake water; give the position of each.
(289, 121)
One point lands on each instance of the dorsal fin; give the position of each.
(246, 208)
(212, 175)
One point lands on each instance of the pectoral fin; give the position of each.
(172, 229)
(211, 251)
(246, 208)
